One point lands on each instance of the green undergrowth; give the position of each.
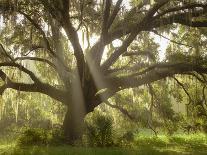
(193, 140)
(180, 144)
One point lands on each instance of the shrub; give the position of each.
(56, 136)
(99, 131)
(39, 136)
(126, 139)
(128, 136)
(34, 136)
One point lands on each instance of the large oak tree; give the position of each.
(51, 34)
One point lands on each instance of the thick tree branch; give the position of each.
(134, 32)
(63, 17)
(197, 77)
(47, 43)
(135, 67)
(181, 8)
(41, 32)
(155, 73)
(179, 18)
(182, 18)
(35, 87)
(121, 109)
(98, 49)
(65, 6)
(78, 52)
(114, 13)
(82, 2)
(21, 68)
(37, 59)
(148, 54)
(173, 41)
(115, 55)
(5, 53)
(106, 14)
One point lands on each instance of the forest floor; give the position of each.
(143, 145)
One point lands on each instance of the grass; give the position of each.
(66, 150)
(194, 144)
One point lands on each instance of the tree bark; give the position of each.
(73, 126)
(82, 101)
(77, 109)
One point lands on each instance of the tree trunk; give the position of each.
(83, 100)
(73, 126)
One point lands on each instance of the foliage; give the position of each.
(56, 136)
(177, 145)
(99, 131)
(35, 136)
(128, 136)
(191, 142)
(144, 140)
(20, 110)
(39, 136)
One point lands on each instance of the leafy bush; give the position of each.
(128, 136)
(57, 136)
(99, 131)
(34, 136)
(126, 139)
(39, 136)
